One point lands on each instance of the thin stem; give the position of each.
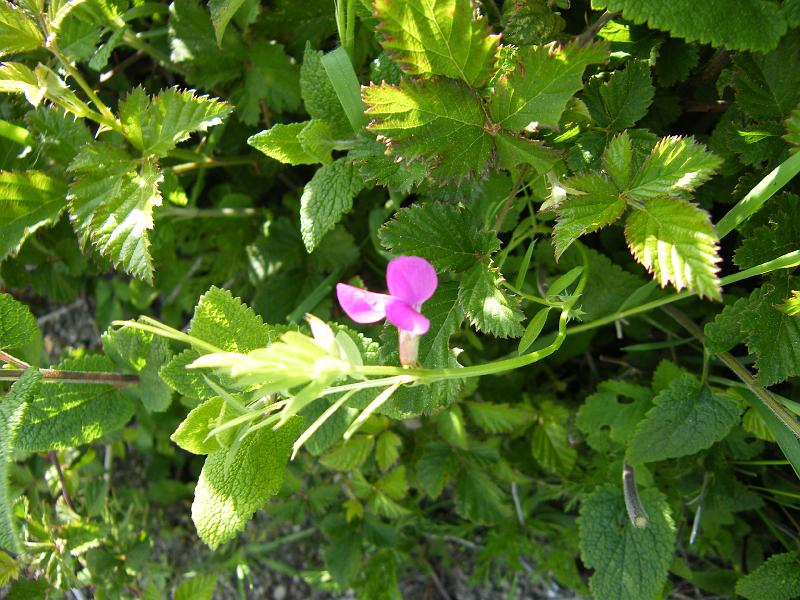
(212, 163)
(188, 212)
(54, 459)
(780, 411)
(587, 37)
(13, 360)
(88, 377)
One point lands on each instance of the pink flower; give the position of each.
(411, 281)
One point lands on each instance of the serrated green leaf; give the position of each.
(765, 88)
(550, 443)
(225, 499)
(479, 499)
(488, 307)
(770, 334)
(9, 568)
(156, 125)
(608, 422)
(18, 31)
(192, 433)
(326, 199)
(272, 78)
(621, 101)
(316, 138)
(778, 578)
(36, 85)
(513, 151)
(17, 325)
(439, 122)
(619, 159)
(28, 200)
(199, 587)
(792, 305)
(283, 143)
(369, 157)
(541, 84)
(440, 233)
(675, 165)
(224, 320)
(451, 427)
(65, 415)
(222, 11)
(675, 241)
(629, 563)
(387, 449)
(12, 408)
(712, 23)
(772, 232)
(111, 203)
(687, 417)
(143, 353)
(437, 465)
(349, 455)
(598, 205)
(187, 382)
(442, 37)
(499, 417)
(318, 95)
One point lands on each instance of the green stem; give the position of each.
(188, 212)
(90, 377)
(16, 134)
(211, 163)
(762, 192)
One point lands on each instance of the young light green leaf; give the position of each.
(65, 415)
(562, 282)
(283, 143)
(541, 84)
(156, 125)
(226, 499)
(12, 407)
(439, 121)
(629, 563)
(676, 242)
(712, 23)
(36, 85)
(595, 204)
(621, 101)
(350, 454)
(222, 11)
(199, 587)
(111, 203)
(28, 200)
(17, 325)
(499, 417)
(387, 449)
(18, 31)
(687, 417)
(533, 330)
(778, 578)
(443, 37)
(224, 320)
(192, 433)
(674, 166)
(440, 233)
(488, 307)
(326, 199)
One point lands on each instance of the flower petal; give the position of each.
(360, 305)
(405, 317)
(411, 279)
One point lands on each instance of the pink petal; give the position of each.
(411, 279)
(360, 305)
(405, 317)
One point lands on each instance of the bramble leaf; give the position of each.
(18, 31)
(229, 492)
(598, 205)
(488, 307)
(222, 11)
(271, 78)
(778, 578)
(621, 101)
(765, 88)
(17, 325)
(629, 563)
(36, 85)
(499, 417)
(12, 407)
(675, 165)
(369, 156)
(326, 199)
(710, 23)
(676, 242)
(28, 200)
(111, 203)
(438, 121)
(541, 84)
(609, 423)
(439, 37)
(440, 233)
(65, 415)
(156, 125)
(478, 498)
(687, 417)
(772, 232)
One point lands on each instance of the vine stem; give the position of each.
(588, 36)
(90, 377)
(51, 454)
